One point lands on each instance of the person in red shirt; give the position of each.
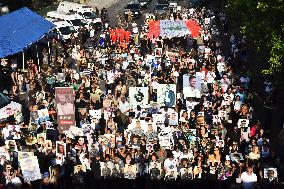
(113, 36)
(122, 36)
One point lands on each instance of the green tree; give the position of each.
(263, 22)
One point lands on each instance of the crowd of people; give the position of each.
(148, 112)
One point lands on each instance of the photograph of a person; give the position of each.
(24, 155)
(41, 138)
(191, 90)
(130, 171)
(60, 148)
(81, 143)
(138, 96)
(166, 94)
(158, 52)
(65, 104)
(30, 168)
(243, 123)
(155, 170)
(79, 168)
(11, 145)
(270, 173)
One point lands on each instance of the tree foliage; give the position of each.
(263, 22)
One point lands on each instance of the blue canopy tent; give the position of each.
(20, 29)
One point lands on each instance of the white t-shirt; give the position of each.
(123, 106)
(245, 178)
(191, 92)
(170, 164)
(110, 77)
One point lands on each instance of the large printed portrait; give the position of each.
(65, 108)
(166, 94)
(65, 104)
(138, 96)
(30, 168)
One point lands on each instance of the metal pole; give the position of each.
(37, 57)
(23, 60)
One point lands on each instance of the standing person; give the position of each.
(5, 75)
(248, 179)
(135, 32)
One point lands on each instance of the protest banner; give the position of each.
(65, 107)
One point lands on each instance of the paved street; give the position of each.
(117, 7)
(102, 3)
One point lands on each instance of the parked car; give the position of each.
(173, 3)
(135, 8)
(161, 7)
(144, 3)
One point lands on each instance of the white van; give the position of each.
(86, 11)
(75, 20)
(62, 31)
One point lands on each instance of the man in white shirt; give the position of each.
(123, 105)
(248, 178)
(191, 90)
(170, 163)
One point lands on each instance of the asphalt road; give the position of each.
(117, 7)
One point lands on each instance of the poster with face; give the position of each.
(14, 128)
(216, 119)
(138, 96)
(237, 157)
(60, 149)
(243, 123)
(106, 169)
(95, 113)
(24, 155)
(190, 136)
(60, 77)
(11, 145)
(166, 138)
(166, 94)
(199, 79)
(245, 133)
(270, 173)
(142, 168)
(158, 118)
(192, 89)
(34, 116)
(158, 52)
(79, 168)
(43, 116)
(130, 171)
(40, 95)
(30, 169)
(222, 114)
(81, 143)
(41, 138)
(65, 108)
(171, 175)
(207, 104)
(155, 169)
(186, 173)
(220, 143)
(173, 119)
(4, 154)
(54, 172)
